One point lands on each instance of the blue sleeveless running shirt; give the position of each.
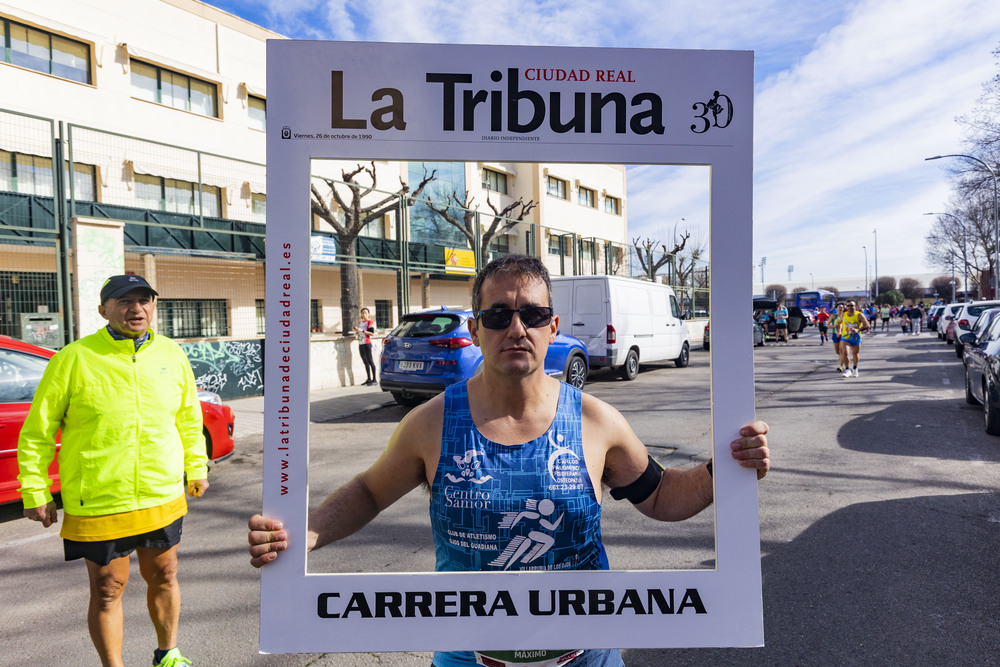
(514, 507)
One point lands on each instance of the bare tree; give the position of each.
(644, 253)
(503, 220)
(942, 286)
(953, 243)
(830, 288)
(911, 288)
(775, 291)
(963, 237)
(883, 284)
(800, 289)
(356, 214)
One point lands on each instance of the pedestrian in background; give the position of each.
(365, 329)
(127, 406)
(821, 317)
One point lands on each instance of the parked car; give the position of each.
(933, 314)
(968, 313)
(796, 318)
(984, 320)
(758, 335)
(433, 349)
(21, 368)
(982, 373)
(947, 315)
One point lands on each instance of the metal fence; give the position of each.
(193, 223)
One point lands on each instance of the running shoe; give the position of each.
(173, 658)
(847, 373)
(855, 372)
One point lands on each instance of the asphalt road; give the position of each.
(879, 524)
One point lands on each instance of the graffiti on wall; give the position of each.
(230, 368)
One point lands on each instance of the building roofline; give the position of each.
(224, 18)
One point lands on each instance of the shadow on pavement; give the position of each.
(882, 583)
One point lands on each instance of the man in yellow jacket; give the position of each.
(126, 401)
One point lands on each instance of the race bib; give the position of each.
(536, 658)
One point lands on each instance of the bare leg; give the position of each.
(104, 614)
(163, 592)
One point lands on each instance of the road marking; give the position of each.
(28, 540)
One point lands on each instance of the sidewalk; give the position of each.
(324, 405)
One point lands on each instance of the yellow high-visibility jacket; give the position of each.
(131, 426)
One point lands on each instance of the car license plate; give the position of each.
(411, 365)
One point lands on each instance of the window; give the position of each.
(556, 187)
(500, 244)
(586, 197)
(47, 53)
(376, 228)
(315, 316)
(258, 207)
(257, 110)
(612, 205)
(192, 318)
(20, 373)
(173, 89)
(586, 249)
(556, 245)
(32, 175)
(176, 196)
(259, 303)
(383, 314)
(495, 181)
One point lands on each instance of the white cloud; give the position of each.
(851, 96)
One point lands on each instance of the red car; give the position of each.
(21, 367)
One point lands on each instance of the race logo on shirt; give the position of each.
(469, 469)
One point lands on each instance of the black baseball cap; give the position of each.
(117, 286)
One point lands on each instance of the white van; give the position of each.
(622, 321)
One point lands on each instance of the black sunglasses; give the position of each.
(532, 317)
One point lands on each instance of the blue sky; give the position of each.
(850, 97)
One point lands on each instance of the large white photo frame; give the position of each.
(364, 101)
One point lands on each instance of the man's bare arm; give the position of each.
(680, 494)
(402, 467)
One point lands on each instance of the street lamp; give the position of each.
(965, 241)
(875, 232)
(813, 280)
(867, 286)
(996, 216)
(763, 287)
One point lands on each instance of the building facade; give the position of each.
(156, 111)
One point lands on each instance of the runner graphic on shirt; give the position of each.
(536, 543)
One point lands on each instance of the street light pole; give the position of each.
(867, 286)
(875, 232)
(996, 217)
(965, 250)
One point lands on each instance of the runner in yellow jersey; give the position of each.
(850, 325)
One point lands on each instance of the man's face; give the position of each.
(131, 314)
(516, 351)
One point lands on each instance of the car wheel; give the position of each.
(631, 366)
(406, 399)
(682, 359)
(969, 397)
(705, 345)
(959, 349)
(576, 371)
(991, 413)
(208, 443)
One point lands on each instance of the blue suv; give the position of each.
(432, 349)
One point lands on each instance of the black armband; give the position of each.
(643, 487)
